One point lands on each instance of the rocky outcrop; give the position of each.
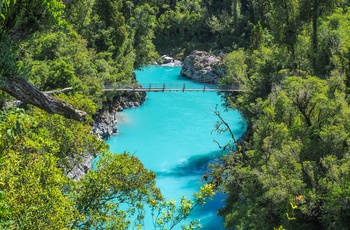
(202, 67)
(105, 125)
(105, 122)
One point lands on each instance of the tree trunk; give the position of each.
(235, 14)
(22, 90)
(315, 15)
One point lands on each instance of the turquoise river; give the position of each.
(172, 134)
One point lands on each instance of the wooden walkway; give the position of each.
(168, 88)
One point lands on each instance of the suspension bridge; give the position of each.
(168, 87)
(160, 87)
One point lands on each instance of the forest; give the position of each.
(292, 56)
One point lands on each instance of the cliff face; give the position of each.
(105, 122)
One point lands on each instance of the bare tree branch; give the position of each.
(57, 91)
(239, 145)
(223, 122)
(21, 89)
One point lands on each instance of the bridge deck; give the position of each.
(157, 87)
(176, 90)
(168, 87)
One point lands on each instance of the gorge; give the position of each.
(172, 134)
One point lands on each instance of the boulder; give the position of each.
(166, 59)
(202, 66)
(169, 61)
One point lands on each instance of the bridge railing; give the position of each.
(157, 87)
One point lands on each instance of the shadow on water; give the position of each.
(209, 211)
(195, 165)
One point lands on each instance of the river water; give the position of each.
(172, 134)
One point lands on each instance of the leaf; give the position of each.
(290, 218)
(9, 133)
(293, 206)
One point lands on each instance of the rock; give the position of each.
(105, 121)
(105, 125)
(174, 63)
(166, 59)
(202, 67)
(81, 168)
(169, 61)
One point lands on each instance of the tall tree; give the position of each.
(313, 11)
(285, 25)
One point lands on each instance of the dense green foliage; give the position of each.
(292, 56)
(37, 152)
(292, 172)
(85, 45)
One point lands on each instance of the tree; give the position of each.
(285, 25)
(294, 163)
(167, 215)
(334, 43)
(38, 151)
(32, 184)
(313, 11)
(185, 22)
(116, 191)
(14, 25)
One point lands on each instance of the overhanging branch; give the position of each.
(22, 90)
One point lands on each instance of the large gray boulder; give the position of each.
(202, 66)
